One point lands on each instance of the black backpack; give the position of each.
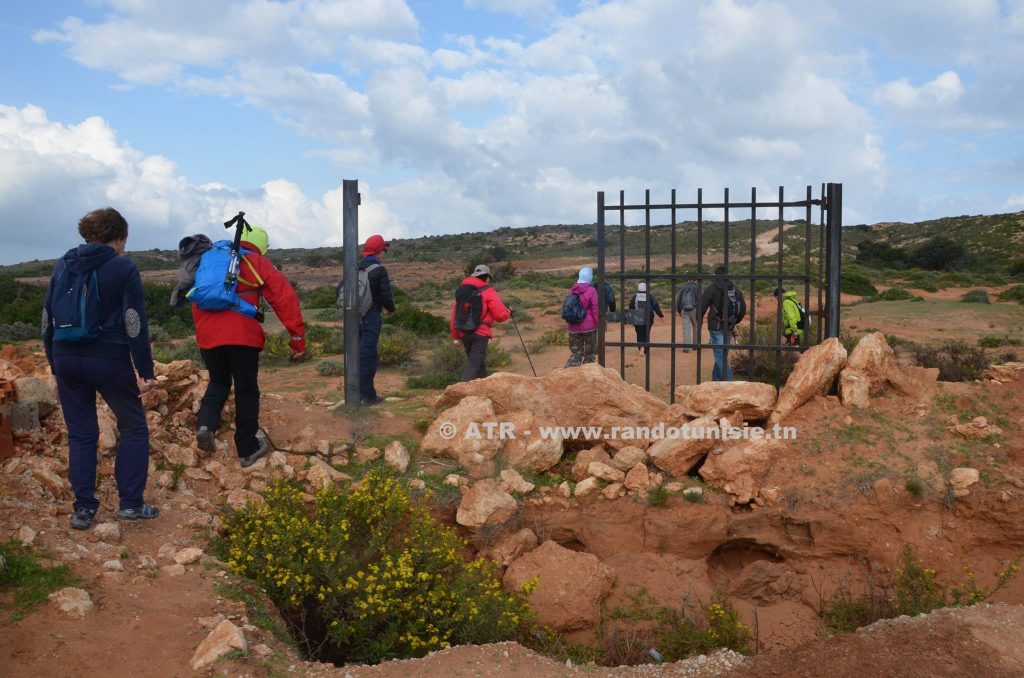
(733, 312)
(805, 317)
(572, 309)
(469, 307)
(687, 298)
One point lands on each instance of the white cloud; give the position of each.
(51, 174)
(1014, 202)
(517, 7)
(944, 90)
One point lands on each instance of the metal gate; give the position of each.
(817, 253)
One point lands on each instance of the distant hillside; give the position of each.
(996, 240)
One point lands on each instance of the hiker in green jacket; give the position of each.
(790, 317)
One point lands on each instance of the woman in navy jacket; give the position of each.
(106, 365)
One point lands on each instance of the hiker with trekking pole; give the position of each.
(231, 278)
(477, 307)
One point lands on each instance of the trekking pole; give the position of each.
(231, 277)
(515, 325)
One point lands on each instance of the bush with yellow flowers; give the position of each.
(365, 575)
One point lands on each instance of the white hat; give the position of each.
(481, 270)
(642, 287)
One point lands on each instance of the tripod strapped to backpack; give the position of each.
(231, 278)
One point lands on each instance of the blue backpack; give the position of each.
(75, 307)
(211, 291)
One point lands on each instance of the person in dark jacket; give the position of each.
(370, 324)
(641, 300)
(231, 343)
(725, 307)
(493, 310)
(118, 365)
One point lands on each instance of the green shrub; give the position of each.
(657, 496)
(896, 294)
(976, 297)
(329, 314)
(334, 344)
(21, 302)
(433, 380)
(318, 333)
(323, 297)
(363, 575)
(764, 361)
(1015, 293)
(993, 341)
(497, 357)
(330, 368)
(19, 332)
(956, 360)
(1016, 269)
(914, 486)
(396, 345)
(278, 346)
(184, 350)
(420, 323)
(855, 283)
(939, 254)
(558, 336)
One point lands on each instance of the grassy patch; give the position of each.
(26, 580)
(657, 496)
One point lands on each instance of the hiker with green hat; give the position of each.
(792, 326)
(231, 341)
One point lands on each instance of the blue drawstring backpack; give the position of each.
(75, 307)
(211, 292)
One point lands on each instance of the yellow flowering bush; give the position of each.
(365, 575)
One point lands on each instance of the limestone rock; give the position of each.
(511, 547)
(457, 434)
(455, 480)
(871, 367)
(571, 586)
(612, 491)
(367, 454)
(588, 485)
(741, 468)
(114, 565)
(108, 532)
(26, 535)
(40, 390)
(695, 491)
(753, 401)
(176, 454)
(564, 490)
(677, 456)
(513, 482)
(396, 456)
(188, 555)
(589, 395)
(638, 478)
(977, 428)
(812, 375)
(962, 478)
(71, 602)
(603, 471)
(173, 371)
(9, 371)
(237, 499)
(628, 457)
(532, 452)
(580, 468)
(175, 570)
(46, 477)
(485, 503)
(321, 474)
(1004, 373)
(108, 431)
(222, 640)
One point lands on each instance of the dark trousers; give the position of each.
(79, 378)
(238, 364)
(476, 354)
(369, 357)
(641, 334)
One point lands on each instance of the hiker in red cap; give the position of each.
(370, 323)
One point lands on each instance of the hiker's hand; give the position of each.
(510, 311)
(146, 385)
(299, 356)
(389, 312)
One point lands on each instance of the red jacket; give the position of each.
(227, 328)
(494, 310)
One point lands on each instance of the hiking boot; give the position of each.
(82, 518)
(260, 452)
(143, 512)
(205, 439)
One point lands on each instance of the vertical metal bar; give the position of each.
(807, 259)
(650, 295)
(778, 305)
(350, 248)
(753, 272)
(600, 278)
(622, 279)
(819, 325)
(835, 240)
(726, 338)
(700, 277)
(671, 313)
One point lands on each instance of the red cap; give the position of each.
(375, 245)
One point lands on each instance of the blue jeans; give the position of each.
(721, 365)
(369, 357)
(79, 378)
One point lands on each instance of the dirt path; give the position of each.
(768, 243)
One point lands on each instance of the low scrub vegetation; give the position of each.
(24, 581)
(365, 575)
(956, 360)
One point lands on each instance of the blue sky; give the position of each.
(470, 115)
